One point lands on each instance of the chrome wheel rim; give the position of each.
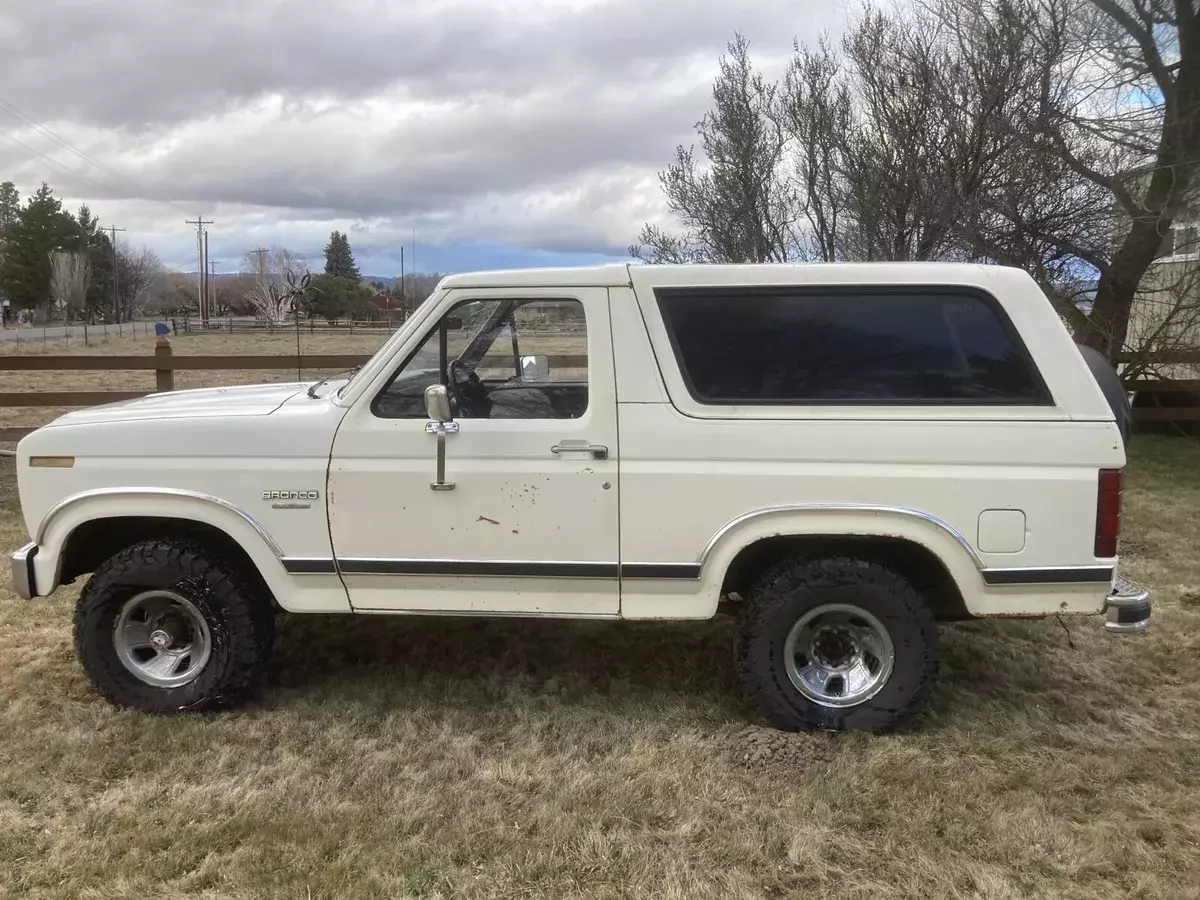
(162, 638)
(838, 655)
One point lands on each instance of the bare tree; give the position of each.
(269, 291)
(736, 207)
(1117, 115)
(1062, 136)
(878, 149)
(70, 272)
(138, 270)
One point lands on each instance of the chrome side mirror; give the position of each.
(535, 368)
(437, 403)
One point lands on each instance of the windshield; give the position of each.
(400, 335)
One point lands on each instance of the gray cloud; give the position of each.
(537, 125)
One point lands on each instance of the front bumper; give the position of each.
(24, 581)
(1127, 608)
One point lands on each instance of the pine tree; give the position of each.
(100, 255)
(40, 228)
(339, 259)
(10, 207)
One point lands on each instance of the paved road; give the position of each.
(58, 332)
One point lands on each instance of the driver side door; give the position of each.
(530, 524)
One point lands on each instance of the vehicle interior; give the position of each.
(476, 352)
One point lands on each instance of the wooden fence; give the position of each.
(235, 325)
(1155, 400)
(164, 363)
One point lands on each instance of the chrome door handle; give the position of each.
(598, 451)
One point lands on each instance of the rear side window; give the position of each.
(792, 346)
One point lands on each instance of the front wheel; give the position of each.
(168, 626)
(836, 645)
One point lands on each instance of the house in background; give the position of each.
(1163, 338)
(1181, 243)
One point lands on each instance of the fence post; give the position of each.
(164, 378)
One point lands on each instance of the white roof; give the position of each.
(618, 274)
(613, 275)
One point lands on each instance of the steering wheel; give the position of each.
(465, 393)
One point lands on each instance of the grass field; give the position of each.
(430, 758)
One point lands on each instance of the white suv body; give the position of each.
(697, 426)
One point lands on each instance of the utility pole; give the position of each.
(402, 303)
(201, 262)
(212, 294)
(112, 231)
(207, 292)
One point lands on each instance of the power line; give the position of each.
(53, 161)
(105, 190)
(14, 111)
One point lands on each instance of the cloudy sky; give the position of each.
(507, 133)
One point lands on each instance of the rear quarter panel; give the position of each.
(693, 476)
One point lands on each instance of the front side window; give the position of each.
(499, 359)
(792, 346)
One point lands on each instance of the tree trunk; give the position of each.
(1170, 188)
(1108, 325)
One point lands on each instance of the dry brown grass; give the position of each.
(448, 758)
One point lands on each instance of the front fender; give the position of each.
(312, 593)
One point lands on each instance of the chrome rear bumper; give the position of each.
(23, 579)
(1127, 608)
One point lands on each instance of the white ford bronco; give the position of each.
(840, 455)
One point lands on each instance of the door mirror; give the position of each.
(437, 403)
(535, 368)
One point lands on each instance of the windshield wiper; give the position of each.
(312, 391)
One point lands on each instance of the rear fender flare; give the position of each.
(831, 520)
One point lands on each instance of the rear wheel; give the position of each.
(167, 626)
(836, 645)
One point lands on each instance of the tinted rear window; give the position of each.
(801, 347)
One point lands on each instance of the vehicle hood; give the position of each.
(243, 400)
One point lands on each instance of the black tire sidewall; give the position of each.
(787, 594)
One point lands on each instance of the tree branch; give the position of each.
(1144, 37)
(1079, 167)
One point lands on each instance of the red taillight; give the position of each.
(1108, 512)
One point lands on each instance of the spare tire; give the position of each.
(1112, 388)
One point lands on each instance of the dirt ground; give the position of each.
(452, 758)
